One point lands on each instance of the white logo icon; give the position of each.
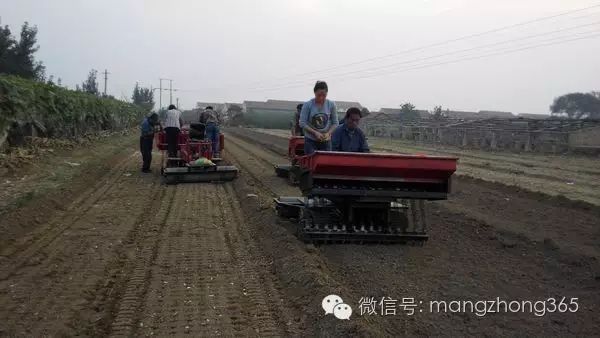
(334, 304)
(342, 311)
(330, 302)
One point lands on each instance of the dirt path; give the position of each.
(50, 277)
(130, 256)
(469, 257)
(198, 273)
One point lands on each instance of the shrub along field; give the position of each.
(30, 108)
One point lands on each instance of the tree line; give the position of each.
(17, 57)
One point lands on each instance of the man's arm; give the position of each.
(336, 140)
(147, 130)
(364, 148)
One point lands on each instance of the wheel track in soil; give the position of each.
(45, 236)
(51, 284)
(434, 273)
(201, 273)
(276, 185)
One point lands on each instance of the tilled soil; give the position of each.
(126, 255)
(534, 248)
(130, 256)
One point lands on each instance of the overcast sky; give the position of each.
(234, 50)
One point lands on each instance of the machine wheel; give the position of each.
(292, 178)
(170, 179)
(281, 172)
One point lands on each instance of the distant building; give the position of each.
(461, 115)
(495, 114)
(482, 114)
(270, 106)
(232, 111)
(534, 116)
(343, 106)
(290, 106)
(423, 114)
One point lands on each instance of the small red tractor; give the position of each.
(365, 197)
(295, 151)
(191, 147)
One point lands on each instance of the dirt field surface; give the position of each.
(113, 252)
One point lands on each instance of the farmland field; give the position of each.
(118, 253)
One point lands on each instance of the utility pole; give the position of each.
(170, 91)
(105, 80)
(161, 90)
(160, 96)
(177, 103)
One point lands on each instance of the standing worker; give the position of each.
(173, 125)
(296, 130)
(211, 118)
(146, 139)
(318, 119)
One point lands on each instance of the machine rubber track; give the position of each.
(323, 225)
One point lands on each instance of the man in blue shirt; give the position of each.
(348, 136)
(318, 119)
(146, 140)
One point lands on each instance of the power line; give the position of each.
(456, 52)
(441, 43)
(496, 53)
(458, 60)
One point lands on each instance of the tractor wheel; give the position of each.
(292, 178)
(170, 179)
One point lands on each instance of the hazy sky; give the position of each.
(231, 50)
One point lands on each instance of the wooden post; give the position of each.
(528, 143)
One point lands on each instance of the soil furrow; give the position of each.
(467, 258)
(49, 233)
(53, 283)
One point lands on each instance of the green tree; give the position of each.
(577, 106)
(143, 97)
(7, 44)
(438, 113)
(17, 57)
(408, 111)
(90, 85)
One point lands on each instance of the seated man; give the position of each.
(348, 136)
(296, 130)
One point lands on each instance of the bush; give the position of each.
(55, 112)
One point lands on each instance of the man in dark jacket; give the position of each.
(348, 136)
(147, 127)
